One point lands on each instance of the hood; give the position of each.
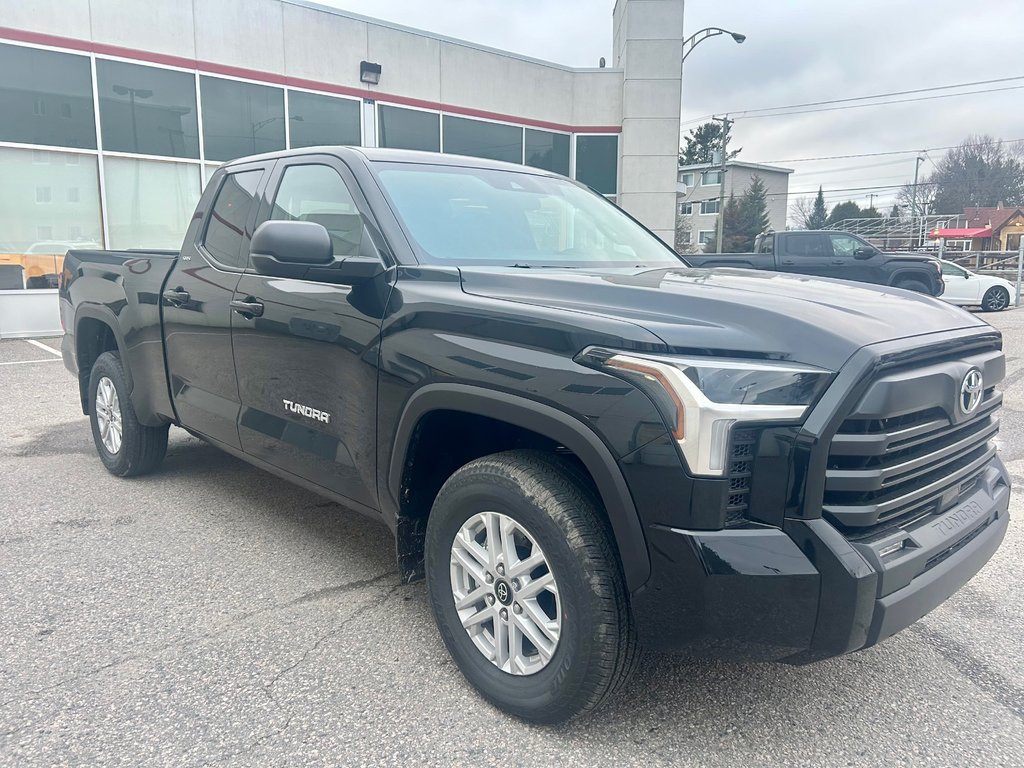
(732, 311)
(909, 256)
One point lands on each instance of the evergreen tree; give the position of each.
(847, 210)
(701, 144)
(819, 216)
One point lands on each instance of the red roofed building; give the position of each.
(988, 229)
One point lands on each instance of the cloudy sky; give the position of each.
(797, 51)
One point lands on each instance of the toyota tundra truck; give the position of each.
(584, 446)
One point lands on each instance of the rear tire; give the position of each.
(126, 447)
(995, 299)
(556, 517)
(914, 285)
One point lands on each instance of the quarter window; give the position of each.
(318, 194)
(225, 232)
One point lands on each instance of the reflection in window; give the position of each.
(240, 119)
(317, 193)
(147, 110)
(597, 159)
(35, 237)
(46, 98)
(317, 120)
(494, 141)
(149, 202)
(226, 237)
(549, 151)
(409, 129)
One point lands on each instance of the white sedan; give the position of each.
(969, 289)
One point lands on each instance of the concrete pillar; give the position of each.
(648, 46)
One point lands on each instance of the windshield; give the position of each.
(464, 216)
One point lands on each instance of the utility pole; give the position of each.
(871, 200)
(913, 197)
(726, 125)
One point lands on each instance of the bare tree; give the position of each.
(800, 213)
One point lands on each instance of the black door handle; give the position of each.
(249, 308)
(839, 262)
(176, 297)
(787, 262)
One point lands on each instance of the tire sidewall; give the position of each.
(108, 366)
(914, 286)
(991, 292)
(550, 690)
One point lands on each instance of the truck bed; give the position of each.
(122, 288)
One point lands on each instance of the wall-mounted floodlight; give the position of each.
(369, 72)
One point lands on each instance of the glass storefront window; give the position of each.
(149, 202)
(147, 110)
(240, 119)
(316, 120)
(46, 98)
(494, 141)
(597, 161)
(409, 128)
(48, 206)
(549, 151)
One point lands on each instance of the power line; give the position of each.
(891, 152)
(883, 103)
(845, 189)
(875, 96)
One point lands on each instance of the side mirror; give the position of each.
(290, 248)
(303, 250)
(864, 252)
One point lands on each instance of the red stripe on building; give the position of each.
(209, 67)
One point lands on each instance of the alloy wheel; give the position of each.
(108, 415)
(505, 593)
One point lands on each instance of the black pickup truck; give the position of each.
(832, 254)
(584, 445)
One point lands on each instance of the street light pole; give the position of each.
(701, 35)
(689, 44)
(913, 196)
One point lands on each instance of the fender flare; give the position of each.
(552, 423)
(107, 317)
(917, 274)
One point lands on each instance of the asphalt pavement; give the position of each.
(211, 614)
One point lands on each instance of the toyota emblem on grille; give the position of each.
(970, 391)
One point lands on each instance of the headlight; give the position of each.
(702, 398)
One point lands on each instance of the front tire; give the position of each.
(995, 299)
(126, 447)
(542, 628)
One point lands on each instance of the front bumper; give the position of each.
(806, 592)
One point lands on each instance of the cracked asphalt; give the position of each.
(211, 614)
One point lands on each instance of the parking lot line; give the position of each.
(47, 347)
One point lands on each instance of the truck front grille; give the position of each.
(889, 471)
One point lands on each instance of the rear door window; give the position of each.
(808, 245)
(226, 240)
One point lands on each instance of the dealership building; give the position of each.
(114, 113)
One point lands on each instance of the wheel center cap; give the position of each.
(503, 592)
